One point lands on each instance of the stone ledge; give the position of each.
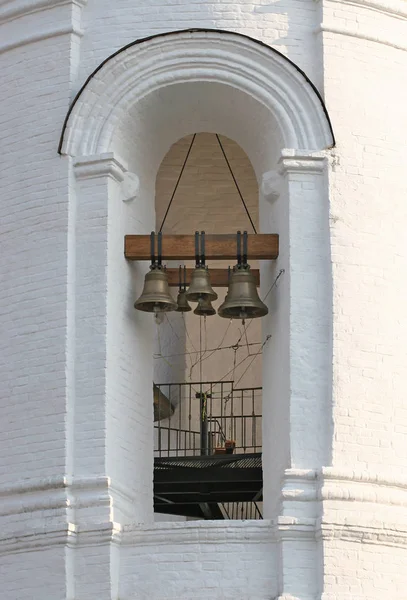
(22, 8)
(368, 36)
(393, 8)
(202, 533)
(41, 35)
(101, 165)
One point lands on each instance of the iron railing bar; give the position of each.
(247, 389)
(245, 445)
(169, 422)
(196, 383)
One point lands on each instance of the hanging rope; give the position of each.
(178, 180)
(236, 184)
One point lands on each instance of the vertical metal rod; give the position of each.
(202, 248)
(211, 422)
(197, 248)
(190, 416)
(160, 244)
(169, 423)
(239, 248)
(231, 414)
(152, 248)
(204, 423)
(243, 426)
(179, 418)
(244, 248)
(180, 411)
(254, 423)
(202, 401)
(159, 419)
(222, 421)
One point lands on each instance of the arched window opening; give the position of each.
(207, 370)
(122, 123)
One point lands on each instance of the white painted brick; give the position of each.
(71, 401)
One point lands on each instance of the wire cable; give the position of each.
(212, 350)
(236, 184)
(178, 180)
(253, 359)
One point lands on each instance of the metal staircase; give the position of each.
(208, 451)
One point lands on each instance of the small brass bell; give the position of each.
(182, 302)
(200, 286)
(156, 295)
(242, 300)
(204, 308)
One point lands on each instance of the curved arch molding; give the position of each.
(233, 59)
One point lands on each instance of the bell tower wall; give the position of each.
(76, 468)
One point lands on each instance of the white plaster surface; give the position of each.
(75, 371)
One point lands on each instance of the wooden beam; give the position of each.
(262, 246)
(219, 277)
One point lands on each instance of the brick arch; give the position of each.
(234, 60)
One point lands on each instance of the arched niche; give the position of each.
(123, 121)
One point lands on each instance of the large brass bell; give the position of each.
(182, 302)
(204, 308)
(156, 295)
(242, 300)
(200, 286)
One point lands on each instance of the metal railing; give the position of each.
(241, 510)
(206, 418)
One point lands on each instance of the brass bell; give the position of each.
(182, 302)
(204, 308)
(242, 300)
(156, 295)
(200, 286)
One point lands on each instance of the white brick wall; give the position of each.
(74, 397)
(366, 100)
(34, 214)
(199, 561)
(368, 249)
(288, 26)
